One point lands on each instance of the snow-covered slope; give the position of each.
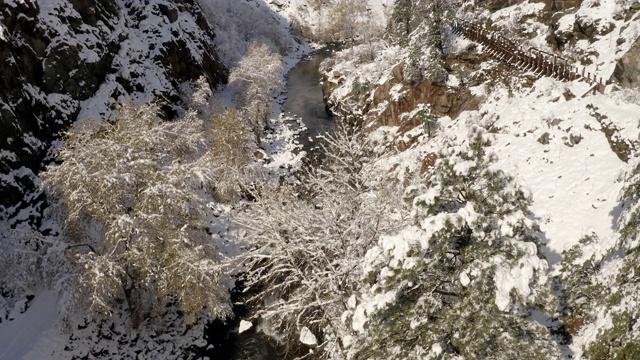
(63, 60)
(572, 150)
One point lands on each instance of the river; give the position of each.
(304, 97)
(305, 101)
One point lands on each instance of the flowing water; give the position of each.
(304, 97)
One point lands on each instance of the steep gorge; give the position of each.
(63, 60)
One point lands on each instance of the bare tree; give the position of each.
(305, 243)
(135, 191)
(257, 75)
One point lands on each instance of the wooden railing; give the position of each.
(533, 60)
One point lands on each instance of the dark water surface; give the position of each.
(304, 97)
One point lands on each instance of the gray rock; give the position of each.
(544, 139)
(627, 71)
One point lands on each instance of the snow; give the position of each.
(559, 176)
(574, 180)
(4, 34)
(453, 81)
(368, 307)
(574, 186)
(518, 277)
(34, 334)
(244, 326)
(396, 92)
(464, 279)
(307, 337)
(569, 182)
(436, 349)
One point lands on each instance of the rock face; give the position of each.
(61, 60)
(627, 71)
(396, 96)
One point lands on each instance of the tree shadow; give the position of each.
(617, 213)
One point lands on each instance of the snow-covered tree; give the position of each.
(196, 96)
(135, 192)
(305, 243)
(29, 262)
(257, 75)
(402, 22)
(232, 143)
(346, 20)
(580, 285)
(461, 282)
(620, 338)
(239, 23)
(422, 26)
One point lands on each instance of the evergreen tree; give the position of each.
(620, 339)
(422, 25)
(461, 282)
(401, 22)
(579, 285)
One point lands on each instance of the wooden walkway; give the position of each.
(533, 60)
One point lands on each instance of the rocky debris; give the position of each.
(628, 12)
(627, 71)
(428, 162)
(61, 59)
(544, 139)
(589, 27)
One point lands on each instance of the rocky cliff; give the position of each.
(63, 60)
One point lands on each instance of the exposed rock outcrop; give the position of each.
(61, 60)
(386, 102)
(627, 71)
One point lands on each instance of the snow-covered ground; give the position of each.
(575, 186)
(32, 335)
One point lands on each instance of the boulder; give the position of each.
(627, 71)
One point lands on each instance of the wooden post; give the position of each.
(539, 65)
(547, 67)
(530, 61)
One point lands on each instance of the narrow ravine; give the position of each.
(305, 101)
